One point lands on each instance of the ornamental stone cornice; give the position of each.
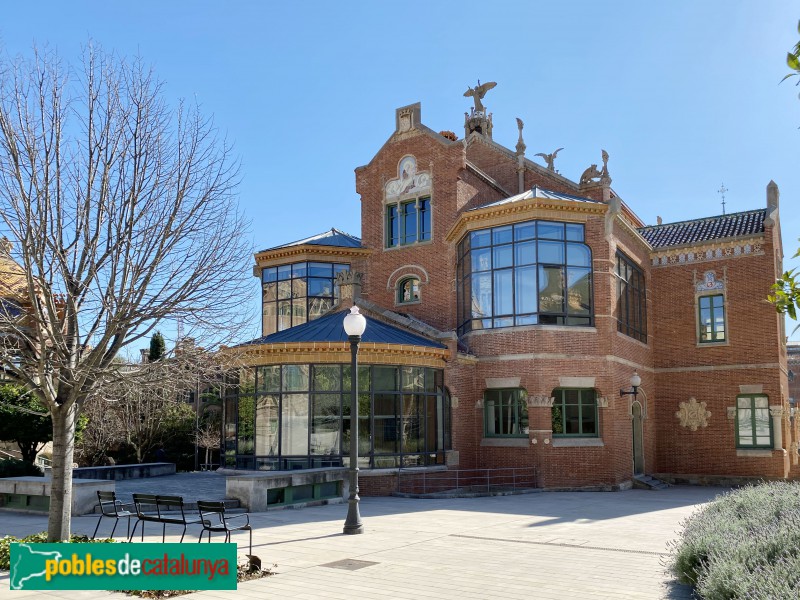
(492, 216)
(689, 254)
(339, 352)
(278, 256)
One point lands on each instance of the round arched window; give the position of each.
(408, 290)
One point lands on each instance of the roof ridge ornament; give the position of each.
(478, 120)
(520, 142)
(477, 93)
(550, 159)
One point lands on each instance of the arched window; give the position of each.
(408, 290)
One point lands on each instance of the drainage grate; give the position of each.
(581, 546)
(349, 564)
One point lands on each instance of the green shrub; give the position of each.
(38, 538)
(745, 544)
(13, 467)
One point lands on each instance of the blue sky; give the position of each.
(683, 95)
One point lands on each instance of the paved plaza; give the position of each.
(529, 546)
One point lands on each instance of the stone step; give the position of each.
(646, 482)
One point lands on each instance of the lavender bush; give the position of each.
(745, 544)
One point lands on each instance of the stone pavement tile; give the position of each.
(553, 545)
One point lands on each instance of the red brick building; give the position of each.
(508, 306)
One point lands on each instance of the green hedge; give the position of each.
(745, 544)
(12, 467)
(38, 538)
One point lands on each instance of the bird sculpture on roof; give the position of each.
(550, 159)
(478, 92)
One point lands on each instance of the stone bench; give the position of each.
(260, 490)
(117, 472)
(32, 494)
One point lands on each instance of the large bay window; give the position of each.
(535, 272)
(296, 293)
(298, 416)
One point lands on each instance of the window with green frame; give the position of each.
(575, 413)
(711, 313)
(408, 222)
(408, 290)
(505, 413)
(753, 422)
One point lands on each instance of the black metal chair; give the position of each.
(212, 516)
(171, 512)
(140, 501)
(114, 509)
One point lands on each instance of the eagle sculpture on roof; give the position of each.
(550, 158)
(478, 92)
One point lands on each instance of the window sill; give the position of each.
(409, 303)
(713, 344)
(753, 453)
(506, 442)
(516, 328)
(412, 245)
(577, 442)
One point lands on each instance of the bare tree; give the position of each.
(103, 431)
(121, 213)
(141, 407)
(209, 437)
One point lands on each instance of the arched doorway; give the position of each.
(638, 438)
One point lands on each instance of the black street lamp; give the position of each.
(636, 381)
(354, 326)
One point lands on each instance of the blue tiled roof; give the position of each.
(329, 328)
(705, 230)
(537, 192)
(333, 237)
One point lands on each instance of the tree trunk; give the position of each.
(28, 451)
(60, 515)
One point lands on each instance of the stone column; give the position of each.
(776, 412)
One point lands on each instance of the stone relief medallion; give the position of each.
(693, 414)
(408, 181)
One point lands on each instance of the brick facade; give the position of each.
(467, 179)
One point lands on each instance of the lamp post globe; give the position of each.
(354, 325)
(636, 381)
